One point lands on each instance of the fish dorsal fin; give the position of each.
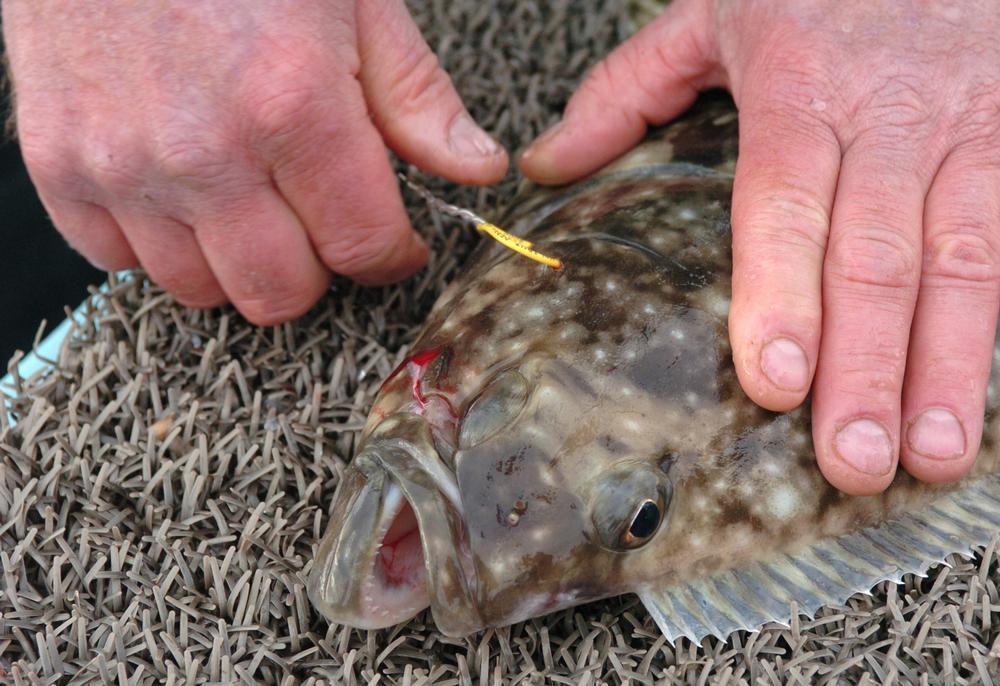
(829, 571)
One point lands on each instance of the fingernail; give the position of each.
(784, 363)
(936, 433)
(546, 135)
(866, 446)
(467, 139)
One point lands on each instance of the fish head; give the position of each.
(543, 505)
(556, 504)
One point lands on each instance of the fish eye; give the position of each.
(628, 505)
(645, 522)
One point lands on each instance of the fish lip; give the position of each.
(342, 580)
(339, 583)
(431, 491)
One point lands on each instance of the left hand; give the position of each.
(866, 208)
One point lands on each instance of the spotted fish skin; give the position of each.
(558, 402)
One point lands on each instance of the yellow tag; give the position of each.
(518, 245)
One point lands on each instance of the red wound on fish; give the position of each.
(421, 360)
(417, 366)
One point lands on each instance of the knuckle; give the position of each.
(283, 108)
(180, 278)
(968, 255)
(898, 108)
(873, 375)
(867, 257)
(285, 97)
(48, 163)
(272, 307)
(962, 379)
(364, 251)
(632, 65)
(266, 292)
(598, 83)
(874, 366)
(597, 91)
(419, 82)
(112, 259)
(788, 217)
(790, 72)
(112, 164)
(979, 123)
(192, 157)
(786, 83)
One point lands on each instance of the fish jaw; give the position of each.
(397, 542)
(357, 578)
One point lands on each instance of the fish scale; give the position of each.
(576, 398)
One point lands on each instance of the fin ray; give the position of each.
(828, 571)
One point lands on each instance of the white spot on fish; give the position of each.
(509, 327)
(535, 313)
(648, 308)
(772, 468)
(687, 214)
(721, 306)
(677, 334)
(817, 104)
(544, 392)
(569, 331)
(783, 501)
(611, 285)
(600, 354)
(541, 535)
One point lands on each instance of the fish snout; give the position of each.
(396, 543)
(366, 573)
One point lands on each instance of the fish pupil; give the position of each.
(646, 520)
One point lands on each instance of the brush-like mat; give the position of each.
(162, 490)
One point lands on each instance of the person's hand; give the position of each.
(235, 149)
(866, 207)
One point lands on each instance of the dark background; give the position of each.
(39, 273)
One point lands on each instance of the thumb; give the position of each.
(413, 102)
(649, 79)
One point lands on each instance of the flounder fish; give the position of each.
(560, 436)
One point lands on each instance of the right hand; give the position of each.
(235, 149)
(866, 208)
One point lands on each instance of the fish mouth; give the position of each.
(396, 542)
